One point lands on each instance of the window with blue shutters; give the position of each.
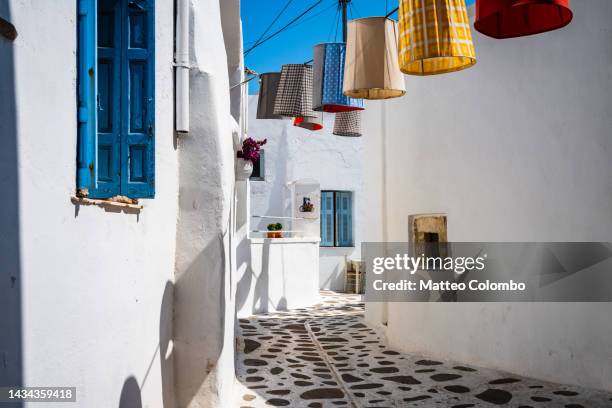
(336, 218)
(116, 48)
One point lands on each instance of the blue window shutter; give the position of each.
(327, 218)
(138, 96)
(86, 96)
(108, 99)
(344, 218)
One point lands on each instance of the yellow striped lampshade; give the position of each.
(434, 37)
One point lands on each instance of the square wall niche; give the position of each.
(428, 235)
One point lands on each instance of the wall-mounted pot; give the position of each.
(244, 169)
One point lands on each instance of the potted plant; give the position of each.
(247, 156)
(275, 230)
(307, 206)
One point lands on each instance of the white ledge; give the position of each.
(277, 241)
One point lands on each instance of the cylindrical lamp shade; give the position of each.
(348, 124)
(268, 87)
(309, 123)
(328, 68)
(294, 95)
(517, 18)
(435, 37)
(371, 70)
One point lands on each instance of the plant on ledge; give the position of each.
(275, 230)
(247, 156)
(250, 149)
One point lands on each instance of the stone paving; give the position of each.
(325, 356)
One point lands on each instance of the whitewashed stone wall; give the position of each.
(294, 153)
(517, 148)
(121, 305)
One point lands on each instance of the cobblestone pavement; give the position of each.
(325, 356)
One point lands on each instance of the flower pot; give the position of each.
(271, 234)
(279, 234)
(244, 169)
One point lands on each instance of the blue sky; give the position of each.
(295, 44)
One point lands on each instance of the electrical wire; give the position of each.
(355, 9)
(392, 12)
(337, 24)
(272, 23)
(310, 18)
(284, 27)
(331, 27)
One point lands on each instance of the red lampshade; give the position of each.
(517, 18)
(315, 123)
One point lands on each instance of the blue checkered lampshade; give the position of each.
(327, 94)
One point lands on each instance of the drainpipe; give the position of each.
(181, 63)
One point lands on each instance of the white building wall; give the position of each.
(95, 285)
(517, 148)
(90, 297)
(293, 153)
(204, 309)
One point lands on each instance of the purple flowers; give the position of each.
(250, 149)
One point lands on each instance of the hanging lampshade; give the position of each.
(371, 70)
(348, 124)
(516, 18)
(309, 123)
(294, 95)
(328, 68)
(268, 87)
(435, 37)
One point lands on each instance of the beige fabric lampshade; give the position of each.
(371, 70)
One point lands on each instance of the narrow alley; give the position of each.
(326, 356)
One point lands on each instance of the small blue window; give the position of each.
(259, 167)
(116, 96)
(336, 218)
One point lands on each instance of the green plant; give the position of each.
(275, 227)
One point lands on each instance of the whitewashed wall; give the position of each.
(294, 153)
(95, 285)
(204, 308)
(88, 297)
(517, 148)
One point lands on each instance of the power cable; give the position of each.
(331, 27)
(272, 23)
(392, 12)
(310, 18)
(284, 27)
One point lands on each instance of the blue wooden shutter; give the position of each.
(86, 96)
(327, 218)
(344, 218)
(138, 96)
(109, 99)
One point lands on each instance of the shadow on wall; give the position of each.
(199, 326)
(130, 394)
(11, 364)
(166, 357)
(278, 193)
(244, 285)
